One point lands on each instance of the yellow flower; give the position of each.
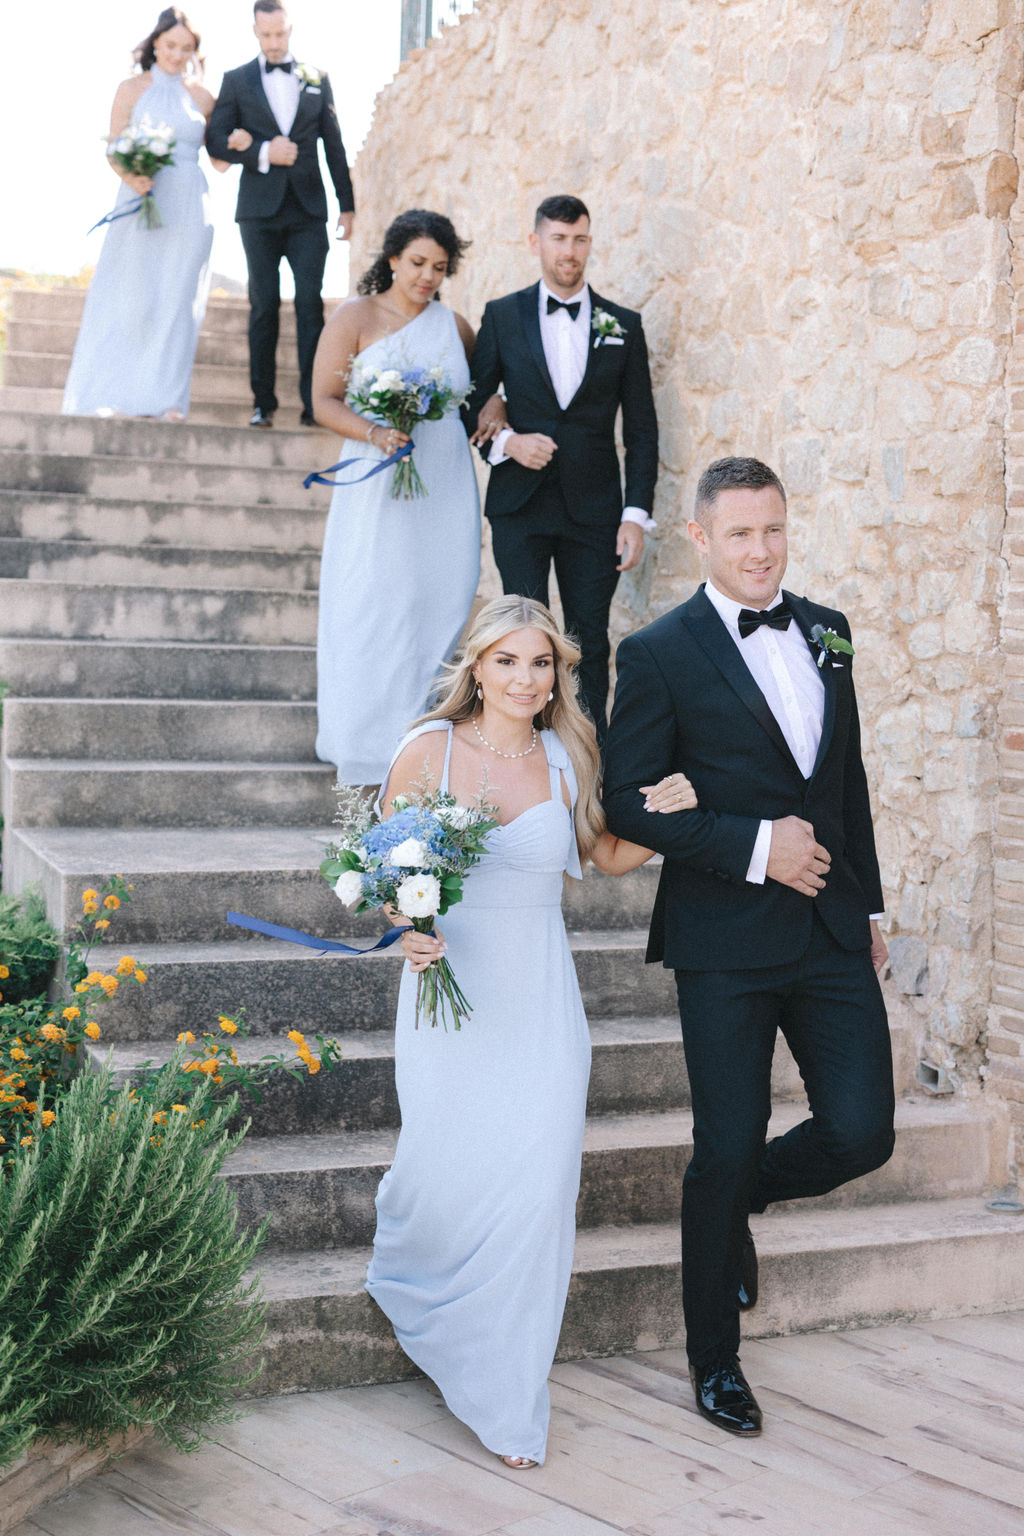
(124, 965)
(111, 903)
(187, 1038)
(30, 1106)
(141, 978)
(90, 895)
(228, 1025)
(52, 1033)
(209, 1066)
(18, 1054)
(180, 1109)
(94, 978)
(70, 1014)
(160, 1118)
(26, 1141)
(313, 1065)
(89, 908)
(82, 986)
(4, 973)
(48, 1117)
(102, 923)
(217, 1078)
(296, 1035)
(92, 1029)
(197, 1125)
(109, 985)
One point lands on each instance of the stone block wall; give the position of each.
(813, 203)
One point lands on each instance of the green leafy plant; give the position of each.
(29, 946)
(123, 1292)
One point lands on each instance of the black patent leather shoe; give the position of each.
(724, 1397)
(307, 419)
(747, 1296)
(261, 418)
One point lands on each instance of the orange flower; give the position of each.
(92, 1029)
(111, 903)
(109, 985)
(313, 1065)
(228, 1025)
(48, 1117)
(160, 1118)
(51, 1033)
(90, 895)
(4, 973)
(26, 1141)
(82, 986)
(71, 1014)
(141, 978)
(186, 1038)
(124, 965)
(102, 923)
(209, 1066)
(296, 1035)
(94, 978)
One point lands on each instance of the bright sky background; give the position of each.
(54, 181)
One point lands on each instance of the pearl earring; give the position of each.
(479, 691)
(551, 695)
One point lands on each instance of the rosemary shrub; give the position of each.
(123, 1292)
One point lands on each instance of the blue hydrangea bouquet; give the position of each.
(414, 863)
(400, 398)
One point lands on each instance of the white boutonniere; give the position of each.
(307, 75)
(829, 644)
(607, 330)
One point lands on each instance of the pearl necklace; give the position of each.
(497, 752)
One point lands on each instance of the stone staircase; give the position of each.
(157, 617)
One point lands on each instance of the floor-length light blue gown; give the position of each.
(397, 578)
(147, 298)
(476, 1217)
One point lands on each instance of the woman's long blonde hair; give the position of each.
(457, 700)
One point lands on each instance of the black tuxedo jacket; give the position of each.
(509, 351)
(243, 103)
(686, 701)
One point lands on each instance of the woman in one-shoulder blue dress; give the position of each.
(145, 305)
(476, 1217)
(397, 578)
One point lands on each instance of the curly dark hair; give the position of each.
(145, 54)
(414, 224)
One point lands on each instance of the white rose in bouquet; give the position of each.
(159, 146)
(349, 887)
(389, 379)
(419, 896)
(412, 854)
(458, 817)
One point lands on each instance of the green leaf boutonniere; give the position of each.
(829, 644)
(307, 75)
(608, 331)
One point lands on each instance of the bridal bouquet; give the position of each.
(142, 149)
(415, 862)
(400, 398)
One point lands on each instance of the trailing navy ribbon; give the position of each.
(117, 213)
(319, 477)
(310, 940)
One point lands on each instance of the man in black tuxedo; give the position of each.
(769, 897)
(567, 360)
(287, 108)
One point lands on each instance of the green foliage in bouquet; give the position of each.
(29, 947)
(123, 1291)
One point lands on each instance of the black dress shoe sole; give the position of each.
(745, 1432)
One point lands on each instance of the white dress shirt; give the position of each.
(282, 91)
(566, 343)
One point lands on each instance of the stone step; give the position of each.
(186, 879)
(209, 381)
(318, 1190)
(148, 669)
(238, 448)
(225, 314)
(211, 413)
(224, 615)
(198, 525)
(157, 565)
(225, 348)
(171, 478)
(145, 729)
(67, 792)
(819, 1270)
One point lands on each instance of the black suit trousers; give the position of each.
(828, 1006)
(289, 235)
(526, 544)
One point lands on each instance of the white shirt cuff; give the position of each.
(638, 515)
(875, 917)
(265, 156)
(497, 454)
(757, 869)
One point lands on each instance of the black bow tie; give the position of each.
(286, 65)
(572, 309)
(776, 618)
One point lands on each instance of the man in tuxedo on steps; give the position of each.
(768, 902)
(287, 108)
(568, 360)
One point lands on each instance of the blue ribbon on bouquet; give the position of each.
(310, 940)
(319, 477)
(118, 213)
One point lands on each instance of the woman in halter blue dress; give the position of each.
(476, 1217)
(397, 578)
(147, 298)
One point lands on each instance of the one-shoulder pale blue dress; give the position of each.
(147, 298)
(397, 578)
(476, 1217)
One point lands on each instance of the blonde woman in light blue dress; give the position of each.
(476, 1217)
(397, 578)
